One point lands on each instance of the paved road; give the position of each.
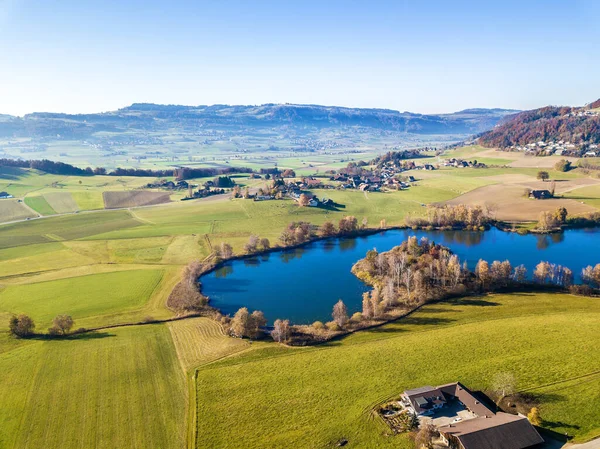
(594, 444)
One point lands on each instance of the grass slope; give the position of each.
(279, 397)
(12, 210)
(85, 298)
(122, 388)
(39, 204)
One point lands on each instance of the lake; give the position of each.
(303, 284)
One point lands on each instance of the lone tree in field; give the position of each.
(62, 325)
(504, 385)
(543, 175)
(534, 417)
(21, 326)
(340, 313)
(281, 331)
(424, 438)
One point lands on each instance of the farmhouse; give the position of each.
(5, 195)
(464, 422)
(540, 194)
(499, 431)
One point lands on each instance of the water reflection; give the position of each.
(224, 271)
(468, 238)
(289, 255)
(348, 244)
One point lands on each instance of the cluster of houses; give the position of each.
(560, 148)
(465, 422)
(461, 163)
(372, 182)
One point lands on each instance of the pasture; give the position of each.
(12, 210)
(117, 388)
(134, 198)
(90, 300)
(314, 397)
(109, 267)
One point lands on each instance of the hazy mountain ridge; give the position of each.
(148, 116)
(550, 123)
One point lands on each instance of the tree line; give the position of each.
(61, 168)
(23, 326)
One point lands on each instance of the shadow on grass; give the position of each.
(71, 337)
(466, 301)
(425, 321)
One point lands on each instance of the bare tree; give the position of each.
(328, 229)
(225, 251)
(281, 331)
(239, 322)
(252, 244)
(424, 438)
(504, 384)
(21, 326)
(256, 322)
(62, 325)
(265, 244)
(340, 313)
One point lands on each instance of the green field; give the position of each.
(117, 388)
(39, 204)
(127, 386)
(276, 397)
(86, 298)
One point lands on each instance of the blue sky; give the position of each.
(421, 56)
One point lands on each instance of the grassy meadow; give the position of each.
(134, 386)
(313, 397)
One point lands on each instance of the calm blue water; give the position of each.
(304, 284)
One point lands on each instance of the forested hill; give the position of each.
(578, 125)
(153, 117)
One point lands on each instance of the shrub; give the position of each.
(318, 325)
(333, 326)
(357, 317)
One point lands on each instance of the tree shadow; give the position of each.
(89, 335)
(465, 301)
(425, 321)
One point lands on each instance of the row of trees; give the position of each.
(448, 216)
(23, 326)
(185, 296)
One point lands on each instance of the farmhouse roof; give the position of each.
(464, 395)
(4, 194)
(500, 431)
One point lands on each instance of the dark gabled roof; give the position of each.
(500, 431)
(4, 194)
(464, 395)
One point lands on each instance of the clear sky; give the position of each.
(421, 56)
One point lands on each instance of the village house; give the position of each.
(540, 194)
(5, 195)
(466, 422)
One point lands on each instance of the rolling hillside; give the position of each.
(550, 123)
